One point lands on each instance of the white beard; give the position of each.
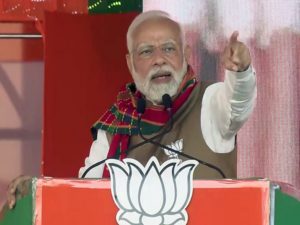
(154, 92)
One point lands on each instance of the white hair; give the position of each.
(150, 15)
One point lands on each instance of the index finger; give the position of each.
(234, 36)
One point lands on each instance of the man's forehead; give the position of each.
(156, 31)
(158, 24)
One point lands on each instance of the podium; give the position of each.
(90, 202)
(77, 202)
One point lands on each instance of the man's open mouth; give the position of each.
(161, 75)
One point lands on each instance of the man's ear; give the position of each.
(129, 64)
(187, 53)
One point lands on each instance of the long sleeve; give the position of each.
(225, 108)
(99, 150)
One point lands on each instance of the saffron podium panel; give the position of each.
(78, 202)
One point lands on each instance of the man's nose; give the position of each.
(158, 57)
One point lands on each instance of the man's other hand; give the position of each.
(236, 56)
(17, 189)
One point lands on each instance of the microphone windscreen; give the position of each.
(167, 101)
(141, 105)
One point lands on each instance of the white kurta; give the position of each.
(225, 108)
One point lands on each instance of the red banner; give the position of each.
(85, 66)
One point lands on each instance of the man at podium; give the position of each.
(167, 112)
(168, 105)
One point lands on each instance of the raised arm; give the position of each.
(227, 105)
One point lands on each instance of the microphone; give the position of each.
(167, 102)
(141, 105)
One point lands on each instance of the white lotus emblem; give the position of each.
(177, 145)
(154, 194)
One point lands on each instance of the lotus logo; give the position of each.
(177, 145)
(151, 195)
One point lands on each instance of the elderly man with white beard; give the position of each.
(206, 116)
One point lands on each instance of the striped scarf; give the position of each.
(121, 119)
